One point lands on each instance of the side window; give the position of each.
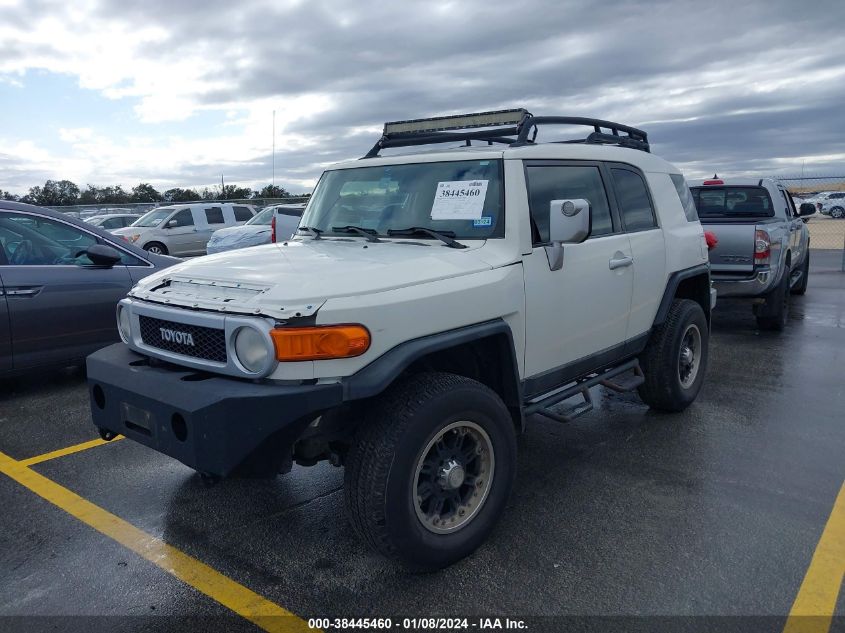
(686, 197)
(113, 223)
(561, 182)
(242, 214)
(30, 240)
(791, 212)
(634, 203)
(214, 215)
(183, 218)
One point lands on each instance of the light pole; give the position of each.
(273, 180)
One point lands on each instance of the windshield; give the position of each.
(460, 197)
(153, 218)
(732, 202)
(265, 217)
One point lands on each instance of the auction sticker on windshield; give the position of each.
(459, 200)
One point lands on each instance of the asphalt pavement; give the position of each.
(715, 511)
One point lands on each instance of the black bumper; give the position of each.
(216, 425)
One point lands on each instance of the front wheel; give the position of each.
(675, 360)
(430, 470)
(837, 212)
(156, 248)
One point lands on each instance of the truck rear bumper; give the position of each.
(216, 425)
(757, 285)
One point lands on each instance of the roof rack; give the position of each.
(516, 127)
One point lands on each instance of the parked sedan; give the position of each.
(60, 281)
(259, 230)
(113, 220)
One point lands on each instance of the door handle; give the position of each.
(621, 262)
(22, 291)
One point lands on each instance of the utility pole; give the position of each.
(273, 181)
(222, 187)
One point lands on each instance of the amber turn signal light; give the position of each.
(320, 343)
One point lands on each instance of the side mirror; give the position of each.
(170, 224)
(806, 208)
(102, 255)
(569, 223)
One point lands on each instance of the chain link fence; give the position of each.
(827, 225)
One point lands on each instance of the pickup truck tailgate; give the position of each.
(735, 251)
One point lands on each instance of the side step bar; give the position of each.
(582, 387)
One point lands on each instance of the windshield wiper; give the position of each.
(443, 236)
(315, 233)
(370, 234)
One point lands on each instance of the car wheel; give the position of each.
(837, 212)
(675, 360)
(430, 471)
(801, 287)
(777, 308)
(156, 248)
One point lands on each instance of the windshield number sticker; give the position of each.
(459, 200)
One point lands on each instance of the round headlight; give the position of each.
(251, 349)
(124, 326)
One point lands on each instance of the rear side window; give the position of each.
(112, 223)
(566, 182)
(633, 199)
(733, 202)
(214, 215)
(242, 214)
(293, 212)
(685, 196)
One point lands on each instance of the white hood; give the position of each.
(295, 279)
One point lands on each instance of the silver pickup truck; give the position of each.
(763, 245)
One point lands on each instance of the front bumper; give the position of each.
(216, 425)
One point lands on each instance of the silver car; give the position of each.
(184, 229)
(281, 218)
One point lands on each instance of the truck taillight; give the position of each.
(762, 247)
(273, 230)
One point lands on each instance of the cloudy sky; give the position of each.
(177, 92)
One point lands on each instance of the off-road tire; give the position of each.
(663, 389)
(801, 287)
(776, 319)
(152, 246)
(381, 467)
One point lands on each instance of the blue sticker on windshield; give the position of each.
(483, 221)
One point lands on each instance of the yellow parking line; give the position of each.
(66, 451)
(246, 603)
(815, 604)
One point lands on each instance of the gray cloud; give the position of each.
(720, 86)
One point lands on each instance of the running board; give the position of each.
(582, 387)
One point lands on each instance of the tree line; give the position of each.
(62, 193)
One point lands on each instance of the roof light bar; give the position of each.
(456, 122)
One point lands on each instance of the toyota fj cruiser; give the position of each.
(429, 304)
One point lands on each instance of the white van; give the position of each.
(184, 229)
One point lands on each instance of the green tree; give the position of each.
(5, 195)
(145, 192)
(113, 195)
(91, 195)
(181, 195)
(273, 191)
(233, 192)
(54, 194)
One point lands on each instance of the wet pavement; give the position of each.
(715, 511)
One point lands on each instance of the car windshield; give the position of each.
(153, 218)
(264, 218)
(461, 198)
(732, 202)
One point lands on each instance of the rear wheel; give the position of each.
(156, 248)
(430, 470)
(675, 360)
(776, 309)
(801, 287)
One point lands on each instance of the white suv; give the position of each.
(184, 229)
(430, 304)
